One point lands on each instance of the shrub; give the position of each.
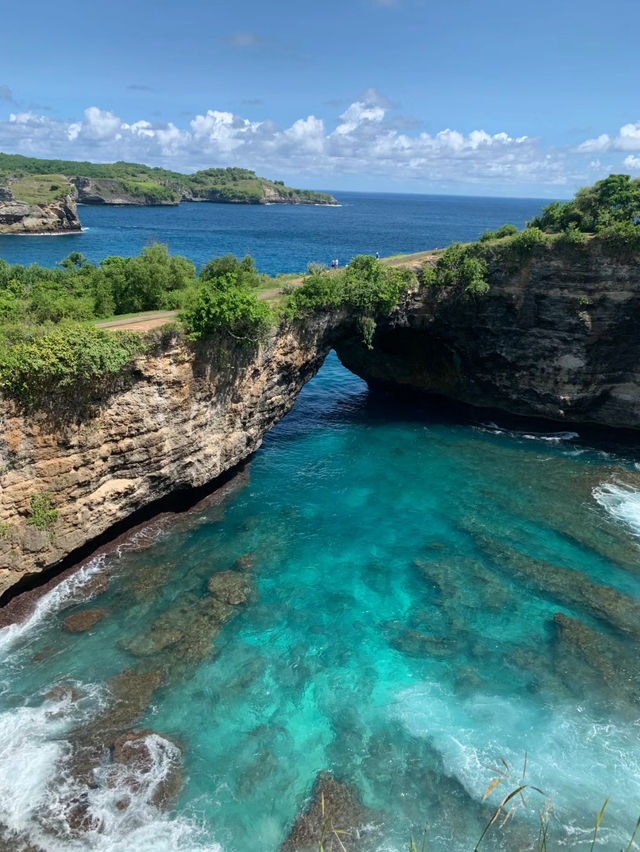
(234, 311)
(43, 515)
(503, 231)
(34, 363)
(621, 239)
(616, 199)
(366, 287)
(320, 292)
(226, 272)
(458, 266)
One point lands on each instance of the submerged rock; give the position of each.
(184, 634)
(146, 762)
(593, 664)
(334, 807)
(230, 586)
(78, 622)
(417, 644)
(570, 587)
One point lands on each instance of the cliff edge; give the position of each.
(554, 336)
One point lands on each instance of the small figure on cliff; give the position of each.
(377, 255)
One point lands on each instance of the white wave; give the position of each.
(48, 604)
(622, 502)
(36, 792)
(576, 760)
(44, 234)
(551, 437)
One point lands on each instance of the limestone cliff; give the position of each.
(555, 337)
(121, 193)
(179, 420)
(19, 217)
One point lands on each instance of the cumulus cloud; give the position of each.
(627, 139)
(632, 162)
(365, 139)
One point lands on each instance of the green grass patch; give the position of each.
(40, 189)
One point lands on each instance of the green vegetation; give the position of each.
(30, 180)
(41, 189)
(612, 201)
(43, 515)
(366, 288)
(459, 266)
(504, 231)
(224, 302)
(50, 346)
(608, 212)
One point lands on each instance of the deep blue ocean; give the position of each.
(279, 237)
(408, 566)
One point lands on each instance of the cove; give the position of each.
(424, 595)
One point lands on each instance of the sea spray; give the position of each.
(622, 502)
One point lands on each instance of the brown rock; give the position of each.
(78, 622)
(230, 586)
(333, 806)
(133, 753)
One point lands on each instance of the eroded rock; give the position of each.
(336, 806)
(146, 762)
(231, 587)
(78, 622)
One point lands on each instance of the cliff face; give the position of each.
(184, 420)
(18, 217)
(113, 191)
(557, 338)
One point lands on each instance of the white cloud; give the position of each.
(632, 162)
(628, 139)
(365, 140)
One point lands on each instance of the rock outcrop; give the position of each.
(18, 217)
(555, 337)
(118, 193)
(183, 418)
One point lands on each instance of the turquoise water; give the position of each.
(281, 238)
(396, 635)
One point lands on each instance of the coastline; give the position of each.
(137, 532)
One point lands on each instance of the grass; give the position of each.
(40, 189)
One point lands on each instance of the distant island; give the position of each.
(40, 196)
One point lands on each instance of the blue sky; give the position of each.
(500, 98)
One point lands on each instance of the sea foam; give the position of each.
(621, 502)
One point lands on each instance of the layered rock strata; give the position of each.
(18, 217)
(179, 421)
(555, 337)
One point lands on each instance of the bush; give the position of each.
(227, 272)
(43, 515)
(614, 200)
(321, 291)
(458, 266)
(621, 239)
(154, 280)
(40, 362)
(503, 231)
(366, 287)
(233, 311)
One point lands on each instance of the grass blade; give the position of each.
(598, 821)
(633, 836)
